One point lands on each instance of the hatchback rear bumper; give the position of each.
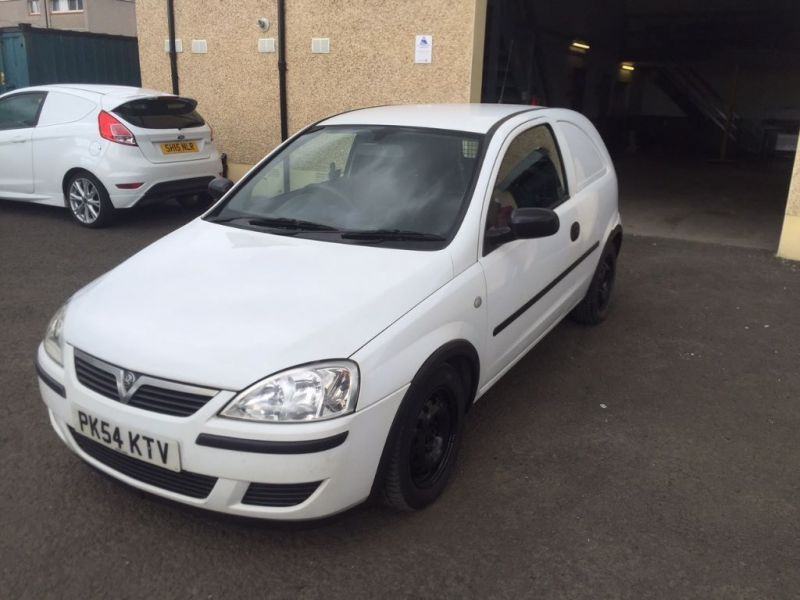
(121, 168)
(173, 189)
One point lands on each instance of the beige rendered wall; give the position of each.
(790, 236)
(371, 60)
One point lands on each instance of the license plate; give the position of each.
(178, 148)
(157, 451)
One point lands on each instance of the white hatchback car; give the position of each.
(320, 333)
(98, 148)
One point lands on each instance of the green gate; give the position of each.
(32, 56)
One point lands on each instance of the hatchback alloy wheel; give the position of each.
(84, 200)
(88, 201)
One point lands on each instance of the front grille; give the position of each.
(279, 494)
(167, 402)
(155, 398)
(95, 379)
(183, 482)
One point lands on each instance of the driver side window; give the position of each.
(20, 111)
(531, 175)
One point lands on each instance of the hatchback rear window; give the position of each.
(161, 113)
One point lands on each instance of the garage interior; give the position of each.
(699, 103)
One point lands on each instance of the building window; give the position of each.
(34, 7)
(67, 5)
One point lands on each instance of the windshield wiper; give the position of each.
(284, 223)
(392, 234)
(298, 225)
(223, 219)
(277, 223)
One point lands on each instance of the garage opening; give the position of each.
(699, 103)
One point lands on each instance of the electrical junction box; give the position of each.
(199, 47)
(266, 45)
(321, 45)
(178, 45)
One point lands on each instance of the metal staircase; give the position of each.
(696, 97)
(701, 102)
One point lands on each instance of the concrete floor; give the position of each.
(654, 456)
(738, 203)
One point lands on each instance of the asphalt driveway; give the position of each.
(657, 455)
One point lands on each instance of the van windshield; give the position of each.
(361, 184)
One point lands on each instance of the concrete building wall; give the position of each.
(790, 236)
(371, 60)
(77, 21)
(98, 16)
(14, 12)
(117, 17)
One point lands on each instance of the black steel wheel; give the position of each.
(434, 438)
(593, 309)
(606, 272)
(424, 441)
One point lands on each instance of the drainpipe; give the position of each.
(282, 68)
(173, 54)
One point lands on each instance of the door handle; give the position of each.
(574, 231)
(18, 139)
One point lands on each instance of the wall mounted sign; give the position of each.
(423, 50)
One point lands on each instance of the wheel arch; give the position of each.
(615, 237)
(462, 355)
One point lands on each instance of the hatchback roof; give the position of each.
(88, 89)
(478, 118)
(109, 96)
(117, 90)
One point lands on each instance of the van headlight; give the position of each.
(311, 392)
(54, 336)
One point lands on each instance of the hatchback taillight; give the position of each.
(113, 130)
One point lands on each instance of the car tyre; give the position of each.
(593, 309)
(424, 441)
(88, 202)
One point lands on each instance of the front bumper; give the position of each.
(243, 465)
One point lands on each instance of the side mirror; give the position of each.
(219, 186)
(528, 223)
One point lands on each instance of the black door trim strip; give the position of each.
(49, 381)
(517, 313)
(270, 447)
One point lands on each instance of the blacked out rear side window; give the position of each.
(161, 113)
